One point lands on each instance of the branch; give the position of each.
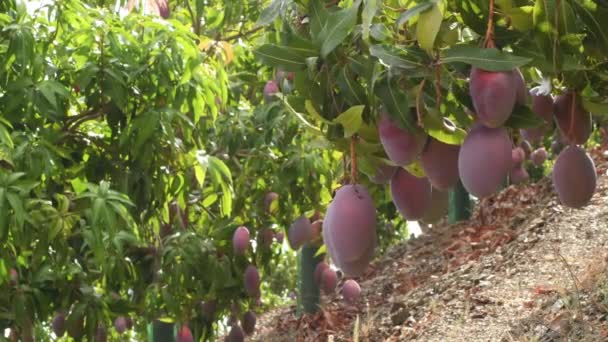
(418, 103)
(489, 38)
(242, 34)
(353, 160)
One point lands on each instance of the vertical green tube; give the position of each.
(308, 300)
(460, 204)
(159, 331)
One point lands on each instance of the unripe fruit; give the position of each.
(270, 89)
(299, 232)
(440, 163)
(129, 323)
(280, 236)
(438, 207)
(101, 334)
(534, 135)
(384, 173)
(75, 327)
(269, 200)
(411, 194)
(518, 155)
(236, 334)
(351, 291)
(493, 94)
(240, 240)
(484, 160)
(252, 281)
(319, 269)
(349, 229)
(329, 280)
(163, 8)
(574, 177)
(571, 118)
(249, 320)
(526, 147)
(315, 235)
(14, 277)
(519, 174)
(542, 105)
(59, 324)
(539, 156)
(208, 309)
(120, 324)
(521, 92)
(266, 236)
(184, 335)
(401, 146)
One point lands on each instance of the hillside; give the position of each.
(522, 269)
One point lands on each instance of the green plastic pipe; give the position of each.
(308, 300)
(460, 204)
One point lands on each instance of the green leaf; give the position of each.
(486, 59)
(279, 56)
(523, 117)
(412, 12)
(310, 108)
(370, 7)
(352, 91)
(395, 102)
(428, 26)
(338, 26)
(415, 168)
(442, 129)
(403, 58)
(270, 13)
(322, 250)
(351, 120)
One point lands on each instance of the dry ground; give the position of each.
(522, 269)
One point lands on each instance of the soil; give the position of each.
(524, 268)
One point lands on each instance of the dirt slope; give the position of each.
(523, 269)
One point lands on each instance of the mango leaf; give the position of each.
(395, 102)
(593, 16)
(370, 7)
(270, 13)
(415, 168)
(318, 18)
(352, 91)
(486, 59)
(443, 129)
(598, 109)
(412, 12)
(310, 108)
(279, 56)
(428, 26)
(351, 120)
(338, 26)
(322, 250)
(403, 58)
(523, 117)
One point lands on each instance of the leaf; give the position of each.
(338, 26)
(486, 59)
(351, 120)
(593, 18)
(412, 12)
(404, 58)
(428, 26)
(415, 168)
(310, 108)
(270, 13)
(443, 129)
(352, 91)
(322, 250)
(370, 8)
(279, 56)
(395, 102)
(596, 108)
(523, 117)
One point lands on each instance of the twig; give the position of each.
(353, 160)
(489, 38)
(242, 34)
(438, 84)
(572, 109)
(418, 103)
